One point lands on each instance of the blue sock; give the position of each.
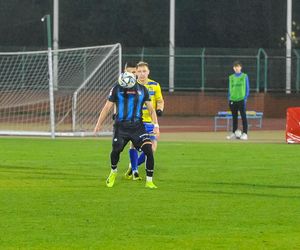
(133, 155)
(141, 159)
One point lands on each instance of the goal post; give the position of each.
(84, 77)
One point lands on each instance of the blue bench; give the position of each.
(227, 117)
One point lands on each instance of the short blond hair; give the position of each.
(141, 64)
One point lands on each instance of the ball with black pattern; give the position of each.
(127, 80)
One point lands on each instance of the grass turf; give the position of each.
(210, 196)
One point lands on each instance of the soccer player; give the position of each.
(237, 95)
(142, 72)
(128, 126)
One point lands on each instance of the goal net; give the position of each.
(82, 79)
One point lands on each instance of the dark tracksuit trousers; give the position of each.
(236, 106)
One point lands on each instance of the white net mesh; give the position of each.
(82, 79)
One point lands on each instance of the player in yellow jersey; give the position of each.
(142, 73)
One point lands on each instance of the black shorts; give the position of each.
(129, 131)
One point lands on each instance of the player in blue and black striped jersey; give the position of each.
(129, 126)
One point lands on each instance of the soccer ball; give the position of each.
(238, 133)
(127, 80)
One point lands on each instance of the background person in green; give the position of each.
(237, 94)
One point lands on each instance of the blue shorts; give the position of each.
(149, 129)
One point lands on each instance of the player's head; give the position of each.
(237, 66)
(142, 71)
(130, 67)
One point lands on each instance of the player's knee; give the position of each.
(154, 146)
(147, 149)
(117, 148)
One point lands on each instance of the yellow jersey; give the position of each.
(155, 95)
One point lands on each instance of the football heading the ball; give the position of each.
(127, 80)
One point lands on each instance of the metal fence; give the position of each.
(207, 69)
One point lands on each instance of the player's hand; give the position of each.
(156, 131)
(97, 129)
(159, 112)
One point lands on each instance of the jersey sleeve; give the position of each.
(158, 94)
(112, 97)
(247, 87)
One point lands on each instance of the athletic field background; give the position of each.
(212, 194)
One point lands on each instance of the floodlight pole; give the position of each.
(172, 46)
(288, 47)
(50, 72)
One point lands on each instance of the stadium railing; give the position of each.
(207, 69)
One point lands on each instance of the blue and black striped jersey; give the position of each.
(129, 102)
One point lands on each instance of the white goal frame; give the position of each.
(72, 102)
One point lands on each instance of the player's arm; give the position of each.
(115, 112)
(160, 104)
(153, 116)
(247, 88)
(103, 114)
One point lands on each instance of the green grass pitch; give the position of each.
(210, 196)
